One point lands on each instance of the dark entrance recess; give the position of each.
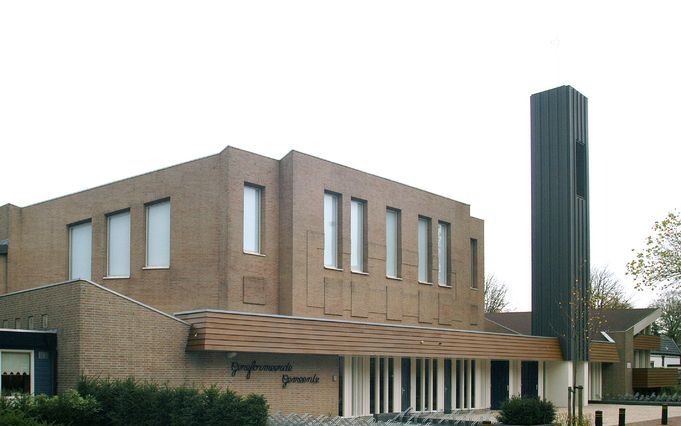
(448, 386)
(406, 383)
(499, 378)
(529, 379)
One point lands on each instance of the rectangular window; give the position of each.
(443, 253)
(80, 251)
(392, 243)
(252, 218)
(474, 263)
(158, 235)
(357, 235)
(16, 372)
(43, 321)
(332, 230)
(5, 323)
(118, 261)
(425, 260)
(17, 323)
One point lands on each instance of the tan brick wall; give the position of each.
(101, 334)
(61, 304)
(616, 376)
(315, 289)
(208, 268)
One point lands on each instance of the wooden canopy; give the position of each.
(230, 331)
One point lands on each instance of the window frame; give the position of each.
(147, 207)
(447, 253)
(70, 228)
(338, 258)
(364, 234)
(398, 243)
(474, 260)
(260, 190)
(31, 353)
(428, 250)
(108, 244)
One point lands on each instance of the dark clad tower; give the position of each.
(560, 218)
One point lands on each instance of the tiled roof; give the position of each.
(667, 347)
(608, 320)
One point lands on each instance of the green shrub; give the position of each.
(67, 409)
(526, 411)
(125, 402)
(10, 417)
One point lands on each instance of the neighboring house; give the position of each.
(668, 355)
(620, 353)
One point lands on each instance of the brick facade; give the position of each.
(208, 267)
(103, 334)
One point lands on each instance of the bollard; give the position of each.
(664, 415)
(622, 417)
(599, 418)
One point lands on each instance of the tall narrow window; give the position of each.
(443, 253)
(118, 245)
(158, 235)
(331, 230)
(357, 235)
(392, 243)
(80, 251)
(424, 250)
(252, 218)
(474, 263)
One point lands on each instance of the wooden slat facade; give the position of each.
(645, 378)
(603, 352)
(644, 342)
(241, 332)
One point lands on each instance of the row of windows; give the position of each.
(118, 242)
(393, 242)
(30, 325)
(158, 239)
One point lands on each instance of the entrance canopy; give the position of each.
(215, 330)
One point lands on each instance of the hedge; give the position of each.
(97, 402)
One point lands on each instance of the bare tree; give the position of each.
(496, 295)
(606, 291)
(669, 322)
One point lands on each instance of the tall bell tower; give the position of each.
(560, 218)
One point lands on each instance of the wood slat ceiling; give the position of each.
(239, 332)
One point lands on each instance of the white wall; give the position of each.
(668, 360)
(558, 377)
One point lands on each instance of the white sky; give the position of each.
(434, 94)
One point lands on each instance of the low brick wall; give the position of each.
(103, 334)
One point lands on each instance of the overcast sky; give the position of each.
(432, 94)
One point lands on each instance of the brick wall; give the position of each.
(208, 268)
(102, 334)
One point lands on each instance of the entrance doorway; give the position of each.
(499, 376)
